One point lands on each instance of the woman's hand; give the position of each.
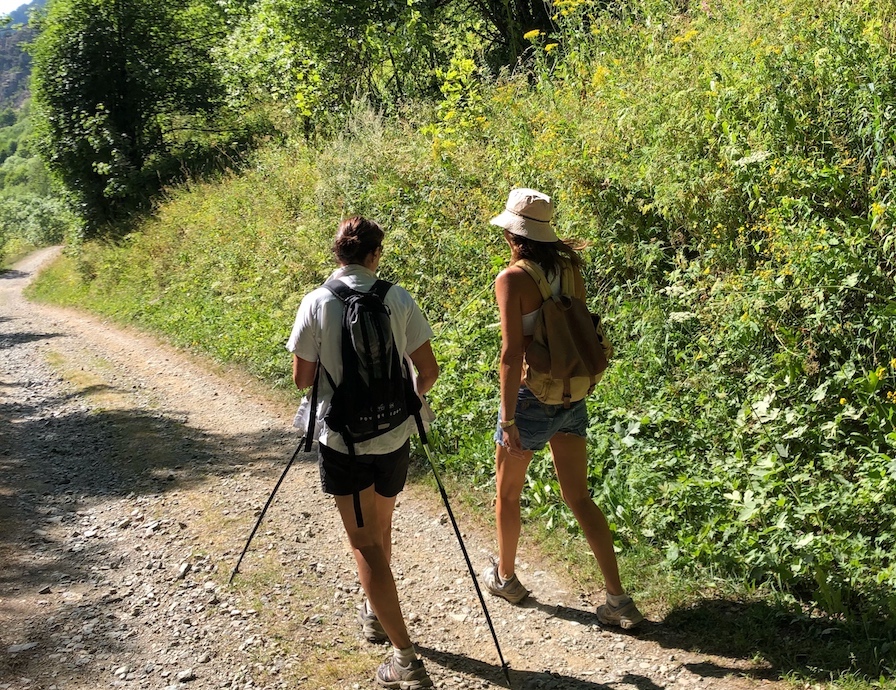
(512, 440)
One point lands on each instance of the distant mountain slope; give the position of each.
(20, 14)
(15, 64)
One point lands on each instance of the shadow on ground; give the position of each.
(57, 460)
(551, 680)
(92, 454)
(520, 680)
(763, 641)
(12, 274)
(790, 641)
(15, 339)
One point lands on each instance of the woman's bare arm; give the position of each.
(427, 368)
(303, 372)
(509, 287)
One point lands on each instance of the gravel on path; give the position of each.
(130, 476)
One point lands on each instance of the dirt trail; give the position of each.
(130, 476)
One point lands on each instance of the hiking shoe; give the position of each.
(626, 615)
(511, 589)
(391, 674)
(371, 628)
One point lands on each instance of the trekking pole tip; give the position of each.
(506, 670)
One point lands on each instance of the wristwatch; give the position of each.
(507, 423)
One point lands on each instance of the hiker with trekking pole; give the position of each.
(355, 342)
(553, 352)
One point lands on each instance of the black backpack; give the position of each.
(376, 394)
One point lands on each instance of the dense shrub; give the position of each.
(730, 167)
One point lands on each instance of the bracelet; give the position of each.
(506, 424)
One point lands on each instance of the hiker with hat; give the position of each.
(364, 473)
(525, 423)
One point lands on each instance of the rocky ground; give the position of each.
(130, 476)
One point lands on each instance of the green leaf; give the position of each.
(805, 540)
(821, 392)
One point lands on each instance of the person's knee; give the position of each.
(374, 556)
(577, 502)
(509, 487)
(367, 542)
(509, 495)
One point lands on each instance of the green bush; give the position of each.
(34, 221)
(731, 168)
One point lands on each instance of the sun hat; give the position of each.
(528, 213)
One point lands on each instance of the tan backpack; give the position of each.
(568, 353)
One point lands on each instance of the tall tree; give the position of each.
(114, 82)
(315, 56)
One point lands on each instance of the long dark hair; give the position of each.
(548, 255)
(356, 238)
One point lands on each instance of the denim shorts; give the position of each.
(539, 422)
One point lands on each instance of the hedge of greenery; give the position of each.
(732, 170)
(29, 215)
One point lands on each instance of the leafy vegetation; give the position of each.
(116, 85)
(130, 94)
(731, 165)
(31, 213)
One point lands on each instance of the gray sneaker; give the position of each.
(371, 628)
(626, 615)
(511, 589)
(411, 677)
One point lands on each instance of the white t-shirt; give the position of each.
(317, 335)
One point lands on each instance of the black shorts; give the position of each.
(342, 476)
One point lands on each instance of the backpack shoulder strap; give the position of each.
(380, 288)
(567, 279)
(534, 270)
(343, 291)
(340, 289)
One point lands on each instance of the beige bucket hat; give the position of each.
(528, 213)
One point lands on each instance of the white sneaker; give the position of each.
(626, 615)
(511, 589)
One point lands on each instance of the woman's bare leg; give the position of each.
(571, 464)
(372, 554)
(510, 474)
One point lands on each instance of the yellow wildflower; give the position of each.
(532, 35)
(842, 401)
(600, 74)
(549, 47)
(893, 363)
(686, 37)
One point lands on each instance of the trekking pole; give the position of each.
(264, 510)
(463, 548)
(306, 441)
